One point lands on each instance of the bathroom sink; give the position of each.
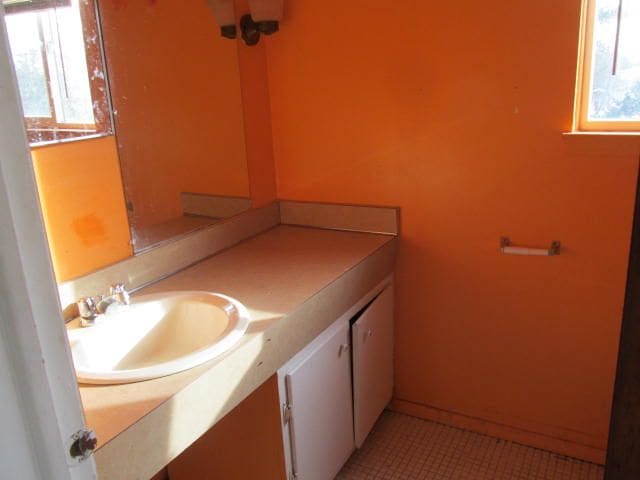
(157, 335)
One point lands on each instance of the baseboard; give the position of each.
(505, 432)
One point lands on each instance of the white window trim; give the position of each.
(581, 123)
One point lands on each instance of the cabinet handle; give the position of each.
(369, 333)
(343, 348)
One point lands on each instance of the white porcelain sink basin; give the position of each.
(157, 335)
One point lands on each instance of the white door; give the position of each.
(42, 409)
(372, 363)
(319, 394)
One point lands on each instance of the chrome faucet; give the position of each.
(90, 308)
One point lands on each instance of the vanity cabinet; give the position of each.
(310, 417)
(244, 445)
(333, 391)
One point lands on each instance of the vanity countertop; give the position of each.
(294, 281)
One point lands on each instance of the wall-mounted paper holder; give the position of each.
(509, 249)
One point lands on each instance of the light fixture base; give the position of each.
(229, 31)
(268, 27)
(250, 30)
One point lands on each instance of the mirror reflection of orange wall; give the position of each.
(82, 204)
(83, 179)
(175, 85)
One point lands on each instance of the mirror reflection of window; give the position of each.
(59, 68)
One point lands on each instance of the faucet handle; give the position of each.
(118, 291)
(87, 307)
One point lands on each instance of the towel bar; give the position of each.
(507, 248)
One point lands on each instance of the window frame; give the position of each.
(47, 129)
(17, 6)
(581, 122)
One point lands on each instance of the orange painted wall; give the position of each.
(454, 112)
(176, 88)
(82, 204)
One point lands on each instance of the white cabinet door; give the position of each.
(372, 363)
(319, 394)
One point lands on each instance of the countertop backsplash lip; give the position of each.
(158, 263)
(165, 260)
(377, 219)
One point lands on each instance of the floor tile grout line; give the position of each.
(402, 447)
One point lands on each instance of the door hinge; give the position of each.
(286, 413)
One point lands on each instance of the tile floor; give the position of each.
(407, 448)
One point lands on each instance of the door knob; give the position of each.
(84, 443)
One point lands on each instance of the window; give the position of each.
(58, 64)
(608, 96)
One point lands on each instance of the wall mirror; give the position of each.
(148, 82)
